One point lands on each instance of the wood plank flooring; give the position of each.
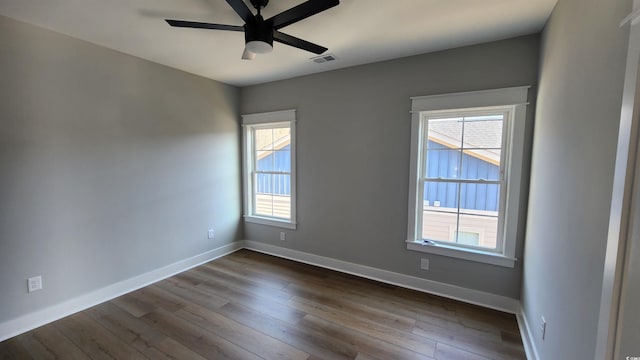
(248, 305)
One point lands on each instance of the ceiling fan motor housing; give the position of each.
(258, 35)
(258, 4)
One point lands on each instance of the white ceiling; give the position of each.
(356, 31)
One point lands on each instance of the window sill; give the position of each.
(270, 221)
(466, 254)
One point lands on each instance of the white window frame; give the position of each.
(514, 98)
(255, 121)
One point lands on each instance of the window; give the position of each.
(269, 168)
(465, 174)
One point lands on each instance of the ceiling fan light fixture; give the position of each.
(259, 47)
(258, 36)
(248, 55)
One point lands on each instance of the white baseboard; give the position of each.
(526, 334)
(471, 296)
(38, 318)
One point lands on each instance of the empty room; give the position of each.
(320, 179)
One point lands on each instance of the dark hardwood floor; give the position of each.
(249, 305)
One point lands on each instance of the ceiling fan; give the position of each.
(259, 34)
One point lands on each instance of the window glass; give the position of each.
(272, 171)
(462, 179)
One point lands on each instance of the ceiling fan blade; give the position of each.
(241, 9)
(300, 12)
(297, 42)
(248, 55)
(201, 25)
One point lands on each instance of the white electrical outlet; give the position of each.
(283, 236)
(543, 327)
(424, 264)
(34, 283)
(211, 234)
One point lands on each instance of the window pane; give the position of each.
(273, 195)
(282, 160)
(282, 196)
(282, 206)
(484, 227)
(272, 138)
(483, 131)
(482, 144)
(263, 139)
(264, 194)
(281, 137)
(443, 164)
(471, 238)
(473, 223)
(481, 164)
(445, 132)
(479, 204)
(265, 160)
(440, 207)
(281, 184)
(480, 197)
(264, 204)
(263, 183)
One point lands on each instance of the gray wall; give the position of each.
(110, 166)
(580, 90)
(353, 155)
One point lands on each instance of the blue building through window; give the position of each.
(275, 184)
(442, 162)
